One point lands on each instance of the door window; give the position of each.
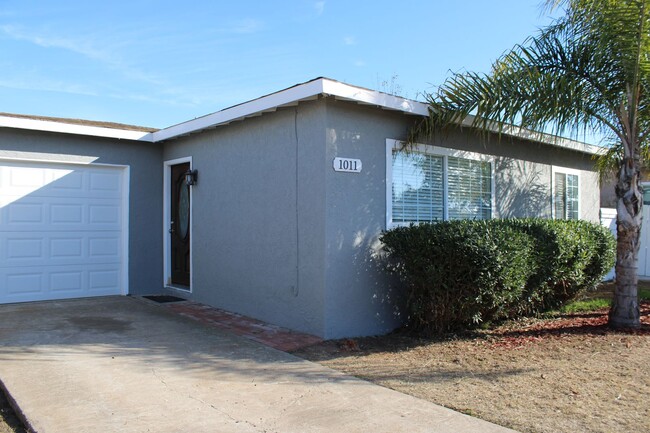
(183, 210)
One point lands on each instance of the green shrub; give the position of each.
(460, 273)
(571, 256)
(604, 253)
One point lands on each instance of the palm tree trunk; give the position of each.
(629, 207)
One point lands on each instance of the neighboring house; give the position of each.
(290, 194)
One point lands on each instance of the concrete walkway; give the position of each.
(121, 364)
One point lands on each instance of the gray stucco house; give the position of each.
(290, 193)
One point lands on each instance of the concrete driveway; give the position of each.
(121, 364)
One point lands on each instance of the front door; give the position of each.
(180, 226)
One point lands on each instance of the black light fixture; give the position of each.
(190, 177)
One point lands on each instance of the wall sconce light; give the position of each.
(190, 177)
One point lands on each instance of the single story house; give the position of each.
(271, 208)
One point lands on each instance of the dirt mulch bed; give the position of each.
(567, 374)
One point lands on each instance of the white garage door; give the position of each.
(62, 231)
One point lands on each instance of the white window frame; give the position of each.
(392, 144)
(572, 171)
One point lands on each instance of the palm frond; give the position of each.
(589, 70)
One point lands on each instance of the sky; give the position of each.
(159, 63)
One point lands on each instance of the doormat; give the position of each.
(164, 299)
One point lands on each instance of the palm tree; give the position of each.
(589, 70)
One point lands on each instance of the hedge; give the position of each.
(464, 272)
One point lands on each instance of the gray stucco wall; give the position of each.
(277, 234)
(360, 298)
(280, 236)
(145, 199)
(259, 216)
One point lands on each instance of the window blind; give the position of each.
(470, 189)
(566, 196)
(418, 188)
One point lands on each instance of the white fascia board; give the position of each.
(386, 101)
(292, 95)
(324, 86)
(69, 128)
(247, 109)
(372, 97)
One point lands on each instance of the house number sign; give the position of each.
(347, 165)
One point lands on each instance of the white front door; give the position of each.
(63, 231)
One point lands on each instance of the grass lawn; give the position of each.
(567, 372)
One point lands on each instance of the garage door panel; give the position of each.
(23, 284)
(51, 214)
(61, 182)
(62, 231)
(104, 248)
(39, 180)
(21, 248)
(18, 283)
(104, 215)
(61, 251)
(71, 247)
(24, 213)
(103, 280)
(73, 180)
(109, 183)
(66, 213)
(65, 281)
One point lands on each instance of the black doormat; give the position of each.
(164, 299)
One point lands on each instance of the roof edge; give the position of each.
(541, 137)
(343, 91)
(60, 126)
(287, 97)
(290, 95)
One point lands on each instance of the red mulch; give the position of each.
(588, 325)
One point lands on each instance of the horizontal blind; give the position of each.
(417, 187)
(572, 193)
(469, 188)
(560, 196)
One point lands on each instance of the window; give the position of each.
(566, 194)
(430, 183)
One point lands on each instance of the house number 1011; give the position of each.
(347, 165)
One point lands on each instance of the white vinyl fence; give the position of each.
(608, 219)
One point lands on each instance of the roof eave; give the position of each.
(287, 97)
(342, 91)
(247, 109)
(541, 137)
(68, 128)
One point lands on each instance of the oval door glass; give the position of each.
(183, 210)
